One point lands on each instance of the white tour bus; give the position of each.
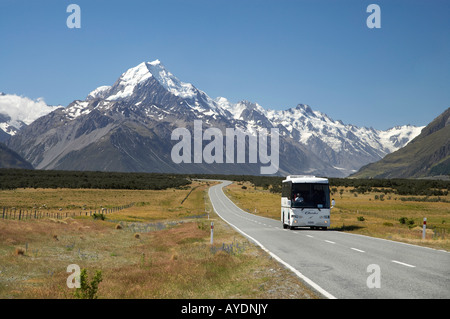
(305, 202)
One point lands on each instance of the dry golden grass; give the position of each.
(255, 200)
(381, 217)
(149, 204)
(137, 259)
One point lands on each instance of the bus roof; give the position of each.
(305, 179)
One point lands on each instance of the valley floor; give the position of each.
(157, 248)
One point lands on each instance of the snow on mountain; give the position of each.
(399, 136)
(131, 78)
(76, 109)
(170, 82)
(306, 126)
(98, 92)
(237, 109)
(135, 87)
(17, 111)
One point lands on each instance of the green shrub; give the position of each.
(88, 290)
(99, 216)
(360, 218)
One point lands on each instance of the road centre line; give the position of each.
(404, 264)
(359, 250)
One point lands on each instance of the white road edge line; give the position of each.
(404, 264)
(295, 271)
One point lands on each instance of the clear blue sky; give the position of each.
(276, 53)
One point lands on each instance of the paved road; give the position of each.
(336, 263)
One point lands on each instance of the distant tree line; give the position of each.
(22, 178)
(398, 186)
(267, 182)
(427, 187)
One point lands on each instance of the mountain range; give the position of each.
(127, 127)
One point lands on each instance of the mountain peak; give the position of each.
(171, 82)
(305, 109)
(156, 62)
(130, 79)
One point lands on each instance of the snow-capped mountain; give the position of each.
(304, 124)
(18, 111)
(135, 79)
(343, 145)
(127, 127)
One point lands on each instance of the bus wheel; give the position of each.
(324, 228)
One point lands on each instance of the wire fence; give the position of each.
(24, 214)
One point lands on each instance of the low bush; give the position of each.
(88, 290)
(98, 216)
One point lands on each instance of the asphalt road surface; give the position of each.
(343, 265)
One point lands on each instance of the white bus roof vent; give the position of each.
(300, 176)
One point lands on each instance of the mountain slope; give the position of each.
(10, 159)
(427, 155)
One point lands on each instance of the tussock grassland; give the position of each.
(372, 213)
(158, 248)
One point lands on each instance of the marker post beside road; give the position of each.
(212, 232)
(424, 227)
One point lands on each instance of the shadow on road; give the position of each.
(342, 228)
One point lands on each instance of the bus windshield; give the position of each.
(308, 195)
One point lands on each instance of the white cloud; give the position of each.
(23, 109)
